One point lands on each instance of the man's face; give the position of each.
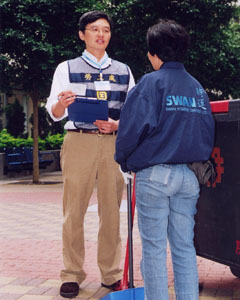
(96, 35)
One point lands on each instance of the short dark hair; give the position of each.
(168, 40)
(92, 16)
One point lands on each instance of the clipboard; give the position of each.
(88, 110)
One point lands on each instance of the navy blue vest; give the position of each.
(117, 74)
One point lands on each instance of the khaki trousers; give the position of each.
(86, 158)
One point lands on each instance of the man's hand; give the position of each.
(65, 98)
(107, 126)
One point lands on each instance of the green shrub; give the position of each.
(52, 142)
(7, 140)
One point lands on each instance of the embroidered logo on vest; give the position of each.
(112, 78)
(101, 95)
(88, 76)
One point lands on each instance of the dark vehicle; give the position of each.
(217, 230)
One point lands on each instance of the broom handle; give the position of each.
(129, 249)
(130, 226)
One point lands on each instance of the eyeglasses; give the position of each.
(96, 30)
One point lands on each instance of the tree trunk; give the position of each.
(35, 139)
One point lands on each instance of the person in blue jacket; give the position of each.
(166, 123)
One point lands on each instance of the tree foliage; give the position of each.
(36, 35)
(214, 28)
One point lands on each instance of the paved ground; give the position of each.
(30, 247)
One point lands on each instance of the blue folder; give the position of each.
(88, 110)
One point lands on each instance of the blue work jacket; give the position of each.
(166, 119)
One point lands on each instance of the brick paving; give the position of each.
(30, 247)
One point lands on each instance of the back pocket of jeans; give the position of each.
(161, 174)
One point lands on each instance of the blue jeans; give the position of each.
(166, 197)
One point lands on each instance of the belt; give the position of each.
(91, 131)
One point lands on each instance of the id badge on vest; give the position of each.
(102, 85)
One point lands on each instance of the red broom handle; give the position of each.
(124, 281)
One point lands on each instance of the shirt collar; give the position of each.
(172, 65)
(104, 62)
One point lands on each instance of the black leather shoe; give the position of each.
(69, 289)
(114, 287)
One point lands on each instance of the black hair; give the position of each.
(92, 16)
(168, 40)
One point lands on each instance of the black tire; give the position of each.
(235, 271)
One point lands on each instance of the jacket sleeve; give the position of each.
(137, 120)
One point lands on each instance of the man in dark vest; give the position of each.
(87, 154)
